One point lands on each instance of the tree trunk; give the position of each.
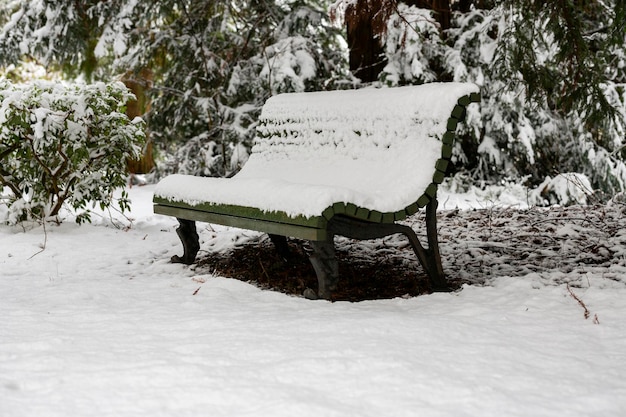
(137, 84)
(366, 23)
(441, 8)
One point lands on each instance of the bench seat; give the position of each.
(372, 155)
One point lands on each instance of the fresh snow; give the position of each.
(96, 322)
(375, 148)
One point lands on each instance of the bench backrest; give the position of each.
(389, 145)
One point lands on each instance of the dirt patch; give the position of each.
(559, 245)
(364, 274)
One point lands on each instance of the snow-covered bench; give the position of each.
(348, 163)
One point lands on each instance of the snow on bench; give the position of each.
(350, 163)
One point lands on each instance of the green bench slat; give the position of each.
(467, 99)
(328, 213)
(464, 100)
(260, 225)
(362, 213)
(388, 217)
(399, 215)
(431, 191)
(413, 208)
(458, 112)
(339, 208)
(452, 123)
(423, 201)
(438, 177)
(247, 212)
(375, 216)
(441, 165)
(448, 138)
(351, 209)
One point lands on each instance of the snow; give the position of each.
(375, 148)
(288, 62)
(96, 321)
(567, 188)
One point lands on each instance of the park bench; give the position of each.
(349, 163)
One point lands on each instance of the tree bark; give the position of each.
(441, 8)
(366, 23)
(137, 84)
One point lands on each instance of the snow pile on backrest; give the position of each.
(380, 142)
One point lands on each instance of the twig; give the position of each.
(118, 226)
(45, 241)
(264, 271)
(575, 297)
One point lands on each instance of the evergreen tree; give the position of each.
(564, 59)
(207, 66)
(551, 75)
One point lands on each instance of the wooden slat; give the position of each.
(362, 213)
(375, 216)
(458, 112)
(339, 208)
(399, 215)
(300, 232)
(388, 218)
(448, 138)
(452, 123)
(441, 165)
(423, 201)
(431, 191)
(464, 101)
(438, 177)
(351, 209)
(328, 213)
(247, 212)
(413, 208)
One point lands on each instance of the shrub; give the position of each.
(64, 144)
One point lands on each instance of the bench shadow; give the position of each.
(367, 272)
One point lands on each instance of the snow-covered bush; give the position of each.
(521, 137)
(206, 158)
(565, 189)
(205, 66)
(207, 91)
(64, 144)
(411, 42)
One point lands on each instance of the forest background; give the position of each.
(552, 74)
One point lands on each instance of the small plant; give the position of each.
(63, 144)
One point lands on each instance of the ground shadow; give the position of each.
(365, 274)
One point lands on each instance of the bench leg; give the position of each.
(429, 258)
(433, 256)
(326, 268)
(280, 243)
(191, 242)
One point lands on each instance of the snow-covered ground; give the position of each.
(94, 321)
